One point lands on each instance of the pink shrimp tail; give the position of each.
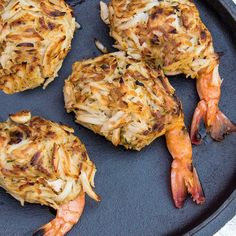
(217, 124)
(185, 181)
(184, 178)
(209, 90)
(221, 127)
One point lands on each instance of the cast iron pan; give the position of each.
(135, 186)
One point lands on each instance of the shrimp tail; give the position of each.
(216, 123)
(197, 191)
(221, 127)
(178, 187)
(184, 178)
(67, 215)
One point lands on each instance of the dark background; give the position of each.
(135, 186)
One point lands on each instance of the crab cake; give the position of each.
(125, 100)
(168, 32)
(35, 37)
(132, 103)
(43, 162)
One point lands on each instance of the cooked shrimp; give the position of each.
(184, 177)
(67, 216)
(217, 124)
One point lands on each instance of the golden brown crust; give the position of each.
(168, 32)
(127, 101)
(41, 161)
(35, 37)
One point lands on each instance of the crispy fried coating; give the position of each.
(128, 101)
(168, 32)
(35, 37)
(42, 161)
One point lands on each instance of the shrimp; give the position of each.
(184, 177)
(209, 90)
(67, 216)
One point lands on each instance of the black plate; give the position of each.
(135, 186)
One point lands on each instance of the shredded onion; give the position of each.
(77, 25)
(100, 46)
(87, 188)
(66, 191)
(56, 185)
(21, 117)
(47, 82)
(104, 12)
(92, 177)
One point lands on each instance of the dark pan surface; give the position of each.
(135, 186)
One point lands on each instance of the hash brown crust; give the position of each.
(168, 32)
(41, 161)
(127, 101)
(35, 37)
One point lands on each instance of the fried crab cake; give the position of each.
(172, 35)
(131, 104)
(35, 37)
(43, 162)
